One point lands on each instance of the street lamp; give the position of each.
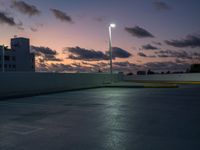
(112, 25)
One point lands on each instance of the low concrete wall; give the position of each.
(189, 77)
(24, 84)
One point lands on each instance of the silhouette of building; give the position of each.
(18, 58)
(195, 68)
(141, 73)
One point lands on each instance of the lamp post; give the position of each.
(112, 25)
(3, 53)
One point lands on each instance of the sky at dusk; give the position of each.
(72, 35)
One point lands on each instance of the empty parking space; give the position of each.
(103, 119)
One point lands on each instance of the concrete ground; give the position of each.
(103, 119)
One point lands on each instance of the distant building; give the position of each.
(141, 73)
(18, 58)
(149, 72)
(195, 68)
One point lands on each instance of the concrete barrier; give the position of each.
(181, 78)
(25, 84)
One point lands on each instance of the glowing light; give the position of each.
(112, 25)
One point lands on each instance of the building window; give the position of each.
(10, 66)
(7, 58)
(5, 66)
(0, 65)
(14, 58)
(13, 66)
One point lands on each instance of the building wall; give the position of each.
(9, 60)
(188, 77)
(18, 58)
(21, 46)
(25, 84)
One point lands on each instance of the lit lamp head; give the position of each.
(112, 25)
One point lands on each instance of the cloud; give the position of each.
(127, 67)
(78, 53)
(117, 66)
(142, 54)
(62, 16)
(157, 43)
(165, 66)
(25, 8)
(174, 54)
(46, 53)
(33, 29)
(5, 19)
(180, 61)
(62, 68)
(120, 53)
(149, 47)
(100, 19)
(196, 55)
(161, 6)
(192, 41)
(139, 32)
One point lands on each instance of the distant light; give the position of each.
(112, 25)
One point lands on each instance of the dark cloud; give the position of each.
(62, 16)
(142, 54)
(63, 68)
(127, 67)
(157, 43)
(192, 41)
(160, 6)
(117, 66)
(196, 55)
(46, 53)
(166, 66)
(25, 8)
(149, 47)
(5, 19)
(78, 53)
(120, 53)
(139, 32)
(44, 50)
(180, 61)
(122, 64)
(33, 29)
(100, 19)
(174, 54)
(85, 54)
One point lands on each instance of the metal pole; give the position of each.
(110, 47)
(3, 53)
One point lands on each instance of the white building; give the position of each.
(18, 58)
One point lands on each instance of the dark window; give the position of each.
(5, 66)
(10, 66)
(0, 65)
(7, 58)
(13, 58)
(14, 66)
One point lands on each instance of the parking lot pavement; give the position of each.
(103, 119)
